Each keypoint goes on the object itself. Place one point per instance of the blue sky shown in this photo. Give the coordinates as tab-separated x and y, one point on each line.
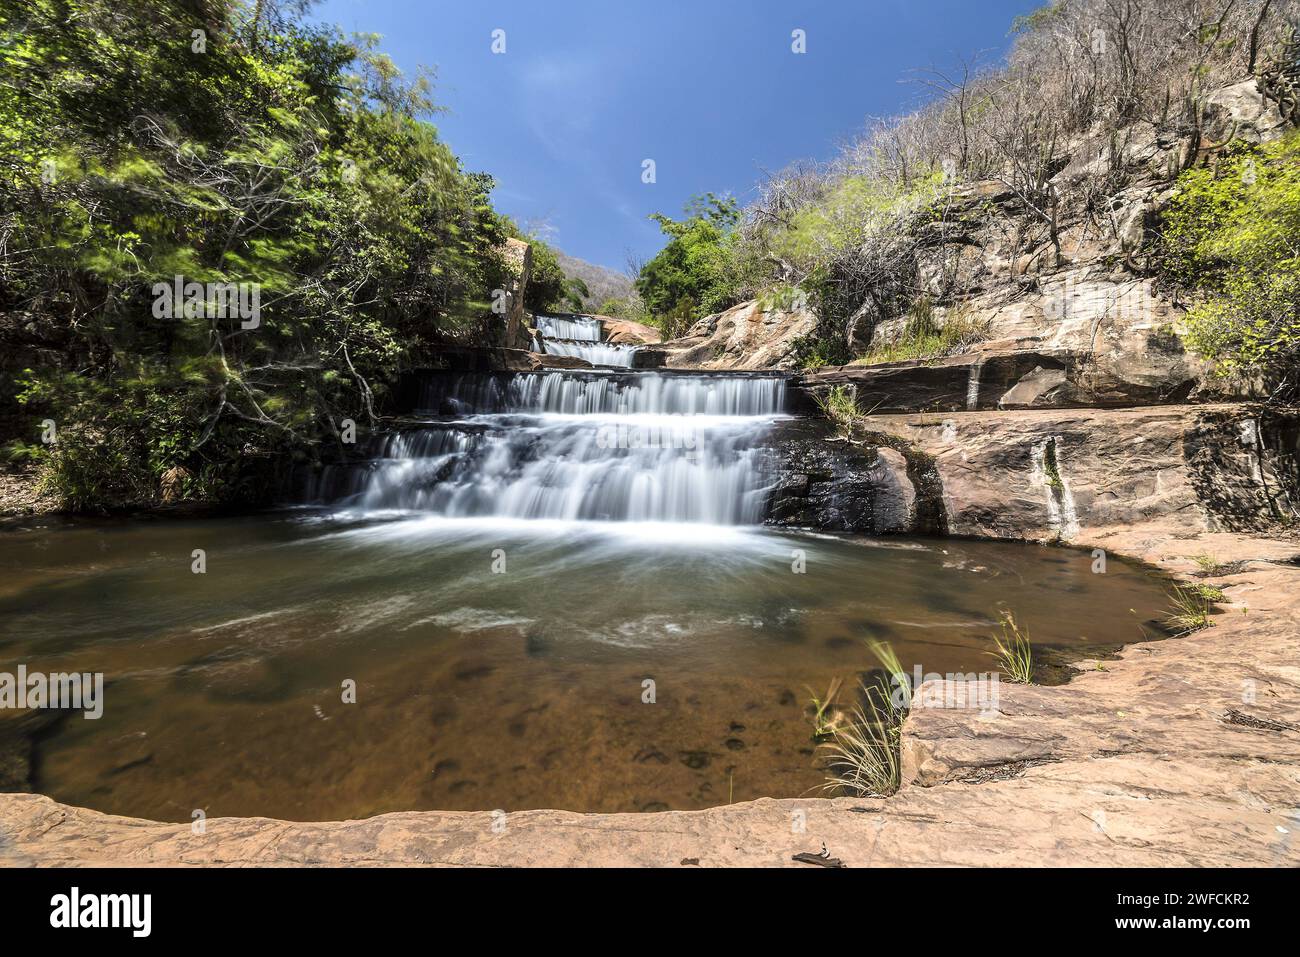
708	89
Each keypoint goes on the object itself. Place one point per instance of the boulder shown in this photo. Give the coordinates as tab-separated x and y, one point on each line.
1242	111
747	336
625	332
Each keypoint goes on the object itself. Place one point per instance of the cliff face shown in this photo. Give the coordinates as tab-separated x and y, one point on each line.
1073	311
1079	407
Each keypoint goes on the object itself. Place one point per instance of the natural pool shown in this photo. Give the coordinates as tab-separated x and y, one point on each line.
497	663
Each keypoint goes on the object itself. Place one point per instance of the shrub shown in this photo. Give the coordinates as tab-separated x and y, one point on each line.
285	157
1230	237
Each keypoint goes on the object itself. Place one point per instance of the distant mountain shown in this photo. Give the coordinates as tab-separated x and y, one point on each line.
601	283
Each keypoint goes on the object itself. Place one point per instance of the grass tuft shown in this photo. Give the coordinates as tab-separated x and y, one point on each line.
922	339
840	406
1190	608
823	724
1207	563
1014	654
863	753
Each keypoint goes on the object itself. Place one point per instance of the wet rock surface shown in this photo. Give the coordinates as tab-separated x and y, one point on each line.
826	482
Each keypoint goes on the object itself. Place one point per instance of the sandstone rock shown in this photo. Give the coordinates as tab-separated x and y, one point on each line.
624	332
1054	474
1034	388
746	336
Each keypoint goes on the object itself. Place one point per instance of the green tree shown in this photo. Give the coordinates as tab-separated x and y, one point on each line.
694	272
546	290
272	155
1231	239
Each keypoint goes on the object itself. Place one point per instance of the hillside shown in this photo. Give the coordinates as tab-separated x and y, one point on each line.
602	283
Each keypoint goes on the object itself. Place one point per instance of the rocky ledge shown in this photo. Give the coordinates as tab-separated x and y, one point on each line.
1179	752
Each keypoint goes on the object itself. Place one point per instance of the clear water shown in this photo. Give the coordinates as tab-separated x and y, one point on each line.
478	688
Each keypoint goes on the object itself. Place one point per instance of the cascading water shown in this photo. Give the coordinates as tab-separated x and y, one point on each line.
581	329
580	337
638	447
598	353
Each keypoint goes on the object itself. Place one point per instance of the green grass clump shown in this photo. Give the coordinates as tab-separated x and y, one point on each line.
840	406
922	339
1190	609
1207	563
864	756
1014	654
823	722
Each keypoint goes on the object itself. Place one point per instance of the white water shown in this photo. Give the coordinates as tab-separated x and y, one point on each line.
641	447
597	353
583	330
580	337
594	393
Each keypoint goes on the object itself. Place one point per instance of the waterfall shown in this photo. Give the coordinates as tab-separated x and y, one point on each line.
599	393
579	329
581	337
597	353
578	446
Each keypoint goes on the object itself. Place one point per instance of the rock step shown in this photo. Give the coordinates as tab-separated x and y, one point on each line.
1054	474
1012	378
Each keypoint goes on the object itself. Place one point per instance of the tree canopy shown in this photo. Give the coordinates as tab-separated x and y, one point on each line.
692	273
153	143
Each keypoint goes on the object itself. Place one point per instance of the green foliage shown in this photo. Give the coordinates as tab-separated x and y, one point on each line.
1013	651
1037	20
813	351
840	405
847	213
283	156
549	289
545	290
1209	592
575	293
851	243
1231	238
923	339
693	275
